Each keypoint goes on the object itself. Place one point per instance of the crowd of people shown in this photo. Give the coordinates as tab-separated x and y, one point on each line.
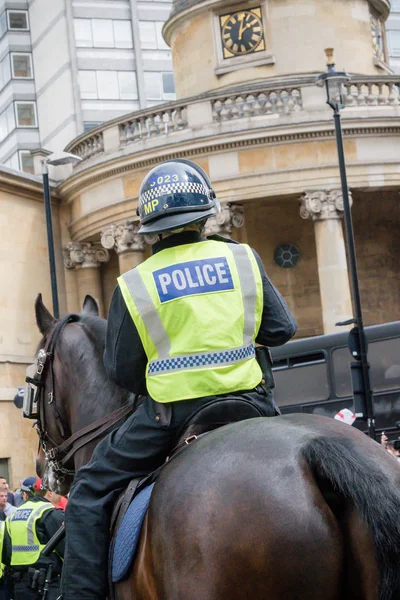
29	517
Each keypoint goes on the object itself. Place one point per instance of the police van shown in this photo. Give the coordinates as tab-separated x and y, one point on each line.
312	375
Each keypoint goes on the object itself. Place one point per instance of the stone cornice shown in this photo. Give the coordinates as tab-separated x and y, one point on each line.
270	186
118	165
22	185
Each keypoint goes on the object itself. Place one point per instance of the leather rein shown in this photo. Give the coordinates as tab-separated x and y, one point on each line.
59	455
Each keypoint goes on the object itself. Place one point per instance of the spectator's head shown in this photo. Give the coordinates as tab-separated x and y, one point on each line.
41	491
3	498
3	483
28	488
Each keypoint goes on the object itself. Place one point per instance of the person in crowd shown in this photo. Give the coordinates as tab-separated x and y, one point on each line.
5	589
182	328
56	499
5	506
10	495
27	532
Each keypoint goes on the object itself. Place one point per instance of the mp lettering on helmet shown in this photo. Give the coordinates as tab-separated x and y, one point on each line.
193	277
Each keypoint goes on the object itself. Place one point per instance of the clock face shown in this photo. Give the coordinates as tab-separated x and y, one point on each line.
377	37
242	32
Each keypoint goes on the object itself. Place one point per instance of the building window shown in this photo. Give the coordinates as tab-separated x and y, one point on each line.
395	6
88	84
160	40
151	35
26	162
123	34
159	86
18	20
378	36
25	114
21	65
394	43
83	32
88	125
103	33
168	85
5	72
152	86
3	24
7	122
127	85
108	85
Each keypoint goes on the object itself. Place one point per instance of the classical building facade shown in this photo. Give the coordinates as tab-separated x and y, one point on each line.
248	111
68	65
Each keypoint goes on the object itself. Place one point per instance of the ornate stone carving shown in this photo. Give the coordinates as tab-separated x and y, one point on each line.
231	216
84	255
123	238
320	205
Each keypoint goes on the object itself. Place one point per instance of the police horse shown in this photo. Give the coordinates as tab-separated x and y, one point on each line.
292	507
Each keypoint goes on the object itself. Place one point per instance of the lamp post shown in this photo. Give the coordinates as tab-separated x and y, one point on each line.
333	82
62	158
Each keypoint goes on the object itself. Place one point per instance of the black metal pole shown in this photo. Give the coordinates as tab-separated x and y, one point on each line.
348	221
50	242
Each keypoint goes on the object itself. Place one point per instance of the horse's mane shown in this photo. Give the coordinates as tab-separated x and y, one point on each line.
95	328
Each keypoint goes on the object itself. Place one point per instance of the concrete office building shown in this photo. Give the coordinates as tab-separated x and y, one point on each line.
68	65
393	36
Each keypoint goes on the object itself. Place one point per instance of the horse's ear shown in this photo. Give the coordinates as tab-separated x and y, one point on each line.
44	318
90	306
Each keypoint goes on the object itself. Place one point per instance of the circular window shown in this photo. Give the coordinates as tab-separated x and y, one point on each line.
286	256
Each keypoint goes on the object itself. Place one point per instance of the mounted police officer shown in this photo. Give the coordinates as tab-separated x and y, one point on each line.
182	328
28	530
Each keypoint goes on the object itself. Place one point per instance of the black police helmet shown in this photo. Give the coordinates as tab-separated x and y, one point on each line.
174	194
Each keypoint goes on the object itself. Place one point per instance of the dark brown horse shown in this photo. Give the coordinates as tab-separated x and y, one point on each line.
298	507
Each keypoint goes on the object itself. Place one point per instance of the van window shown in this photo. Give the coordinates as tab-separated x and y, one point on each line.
301	379
384	358
341	359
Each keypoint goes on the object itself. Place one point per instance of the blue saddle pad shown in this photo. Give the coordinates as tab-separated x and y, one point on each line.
128	534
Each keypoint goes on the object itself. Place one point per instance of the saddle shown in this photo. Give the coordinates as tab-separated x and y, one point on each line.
132	505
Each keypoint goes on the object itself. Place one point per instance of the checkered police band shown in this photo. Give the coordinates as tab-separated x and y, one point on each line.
169	189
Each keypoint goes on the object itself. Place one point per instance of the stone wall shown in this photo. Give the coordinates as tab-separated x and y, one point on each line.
268	225
24	272
376	226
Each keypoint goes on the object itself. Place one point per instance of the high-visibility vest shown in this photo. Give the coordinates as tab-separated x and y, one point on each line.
21	525
2	529
197	308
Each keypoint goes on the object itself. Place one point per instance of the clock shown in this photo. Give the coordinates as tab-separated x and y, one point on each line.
242	32
377	31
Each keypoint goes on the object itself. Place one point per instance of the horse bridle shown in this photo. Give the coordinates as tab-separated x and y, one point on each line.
58	455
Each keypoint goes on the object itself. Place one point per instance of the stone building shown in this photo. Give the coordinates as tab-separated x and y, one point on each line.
249	112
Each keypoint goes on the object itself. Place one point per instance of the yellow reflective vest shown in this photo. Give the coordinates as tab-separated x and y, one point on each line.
2	529
197	308
21	526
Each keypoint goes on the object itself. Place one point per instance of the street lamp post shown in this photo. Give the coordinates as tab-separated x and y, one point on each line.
63	158
333	82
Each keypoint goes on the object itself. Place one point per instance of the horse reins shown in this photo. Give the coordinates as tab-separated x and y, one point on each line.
60	454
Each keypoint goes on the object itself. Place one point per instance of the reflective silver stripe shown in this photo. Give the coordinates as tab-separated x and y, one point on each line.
148	312
249	290
31	523
204	360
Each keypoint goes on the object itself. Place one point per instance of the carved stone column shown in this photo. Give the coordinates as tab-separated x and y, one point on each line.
85	258
222	223
325	208
128	244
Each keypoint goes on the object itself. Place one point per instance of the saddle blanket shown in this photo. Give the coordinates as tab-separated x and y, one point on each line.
129	533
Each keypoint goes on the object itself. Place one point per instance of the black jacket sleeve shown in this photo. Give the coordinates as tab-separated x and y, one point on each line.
6	554
124	357
48	525
278	325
